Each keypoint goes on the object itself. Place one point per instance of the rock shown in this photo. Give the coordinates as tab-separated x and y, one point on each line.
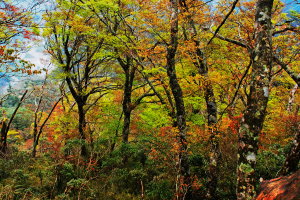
282	188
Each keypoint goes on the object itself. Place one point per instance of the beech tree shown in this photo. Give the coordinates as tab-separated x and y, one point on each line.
154	92
262	59
200	62
254	115
75	48
178	98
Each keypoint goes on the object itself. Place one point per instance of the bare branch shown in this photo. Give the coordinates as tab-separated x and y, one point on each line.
15	111
292	74
224	20
293	29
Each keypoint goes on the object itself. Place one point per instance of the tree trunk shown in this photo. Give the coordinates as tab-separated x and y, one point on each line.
129	76
211	106
184	168
211	109
292	98
82	127
35	129
126	125
253	119
3	137
34	148
214	154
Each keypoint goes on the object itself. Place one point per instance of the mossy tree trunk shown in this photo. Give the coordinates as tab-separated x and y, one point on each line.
253	118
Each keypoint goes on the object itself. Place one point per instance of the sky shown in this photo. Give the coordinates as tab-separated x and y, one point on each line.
34	55
292	5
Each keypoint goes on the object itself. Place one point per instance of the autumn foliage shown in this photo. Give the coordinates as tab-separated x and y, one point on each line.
158	99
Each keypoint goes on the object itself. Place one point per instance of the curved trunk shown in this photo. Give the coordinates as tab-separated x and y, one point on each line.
184	169
211	109
37	133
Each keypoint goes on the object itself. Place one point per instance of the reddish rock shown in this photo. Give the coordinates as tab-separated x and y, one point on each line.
282	188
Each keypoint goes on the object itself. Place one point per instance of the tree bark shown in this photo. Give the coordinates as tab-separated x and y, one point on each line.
82	127
214	155
253	118
292	98
127	107
35	141
81	101
184	167
3	137
211	109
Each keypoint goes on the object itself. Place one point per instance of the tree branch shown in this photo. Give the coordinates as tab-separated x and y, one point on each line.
293	29
138	101
237	90
224	20
45	121
233	41
293	75
15	111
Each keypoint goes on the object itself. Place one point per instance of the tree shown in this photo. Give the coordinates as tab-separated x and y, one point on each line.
124	39
200	62
38	123
77	51
16	27
179	103
262	62
254	115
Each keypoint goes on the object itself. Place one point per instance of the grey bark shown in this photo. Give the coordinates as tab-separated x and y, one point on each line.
253	118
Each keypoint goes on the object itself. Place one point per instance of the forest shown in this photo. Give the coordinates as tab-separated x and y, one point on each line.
149	99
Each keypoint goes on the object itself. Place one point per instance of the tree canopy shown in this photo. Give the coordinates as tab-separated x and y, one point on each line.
158	99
